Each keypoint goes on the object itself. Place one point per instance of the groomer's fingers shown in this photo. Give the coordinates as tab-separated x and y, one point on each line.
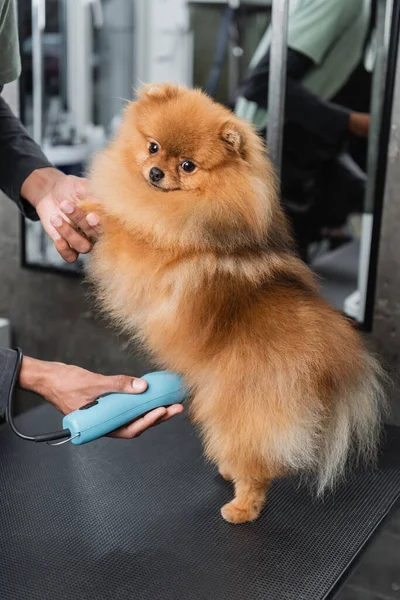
173	410
89	224
129	385
123	384
81	186
137	427
64	249
75	240
155	417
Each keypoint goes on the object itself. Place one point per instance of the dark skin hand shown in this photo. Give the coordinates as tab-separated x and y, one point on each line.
359	124
68	387
55	196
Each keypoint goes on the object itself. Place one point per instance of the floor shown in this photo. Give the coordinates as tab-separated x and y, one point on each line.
53	319
377	577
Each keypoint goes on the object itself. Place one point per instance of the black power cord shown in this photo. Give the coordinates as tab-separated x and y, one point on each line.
46	437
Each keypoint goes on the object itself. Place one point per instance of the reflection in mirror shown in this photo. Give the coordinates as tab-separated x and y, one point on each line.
332	49
91	60
93	54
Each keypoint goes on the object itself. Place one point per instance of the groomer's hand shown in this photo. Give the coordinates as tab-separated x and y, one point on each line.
55	195
68	387
359	124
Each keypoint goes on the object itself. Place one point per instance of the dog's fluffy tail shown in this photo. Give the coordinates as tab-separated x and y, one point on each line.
355	425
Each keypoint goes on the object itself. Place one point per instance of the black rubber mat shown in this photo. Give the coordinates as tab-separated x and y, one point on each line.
139	520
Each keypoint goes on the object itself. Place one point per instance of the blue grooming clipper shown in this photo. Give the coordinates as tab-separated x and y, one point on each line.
109	412
101	416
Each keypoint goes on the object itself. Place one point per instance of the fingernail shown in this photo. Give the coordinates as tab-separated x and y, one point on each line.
67	208
139	385
93	220
56	221
56	236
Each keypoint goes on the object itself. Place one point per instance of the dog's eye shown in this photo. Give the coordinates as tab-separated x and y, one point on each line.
153	148
188	166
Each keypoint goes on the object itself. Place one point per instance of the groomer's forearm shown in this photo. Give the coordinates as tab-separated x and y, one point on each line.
34	374
255	86
323	119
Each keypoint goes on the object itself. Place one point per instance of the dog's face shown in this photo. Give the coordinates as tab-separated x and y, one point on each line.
166	170
185	168
183	140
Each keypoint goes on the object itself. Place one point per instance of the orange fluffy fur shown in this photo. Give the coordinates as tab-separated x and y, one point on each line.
201	269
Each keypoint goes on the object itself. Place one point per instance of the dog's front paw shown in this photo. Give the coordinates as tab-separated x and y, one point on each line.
234	513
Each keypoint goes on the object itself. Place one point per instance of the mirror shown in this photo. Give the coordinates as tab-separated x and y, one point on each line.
78	72
341	257
93	53
335	73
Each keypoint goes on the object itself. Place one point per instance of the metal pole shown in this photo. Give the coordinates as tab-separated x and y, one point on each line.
277	81
38	25
384	20
79	73
384	24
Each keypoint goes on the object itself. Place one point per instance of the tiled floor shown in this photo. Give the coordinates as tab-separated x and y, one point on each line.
377	576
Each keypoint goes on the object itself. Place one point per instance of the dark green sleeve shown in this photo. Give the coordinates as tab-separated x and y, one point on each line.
10	60
19	154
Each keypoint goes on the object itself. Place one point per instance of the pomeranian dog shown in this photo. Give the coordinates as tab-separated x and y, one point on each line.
196	260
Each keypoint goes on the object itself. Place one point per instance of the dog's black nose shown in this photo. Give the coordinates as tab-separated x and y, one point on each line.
156	174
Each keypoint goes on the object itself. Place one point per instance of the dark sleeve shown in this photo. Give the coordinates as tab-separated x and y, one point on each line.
324	119
19	157
256	83
8	362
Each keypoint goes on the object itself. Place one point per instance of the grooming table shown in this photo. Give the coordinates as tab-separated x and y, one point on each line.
124	520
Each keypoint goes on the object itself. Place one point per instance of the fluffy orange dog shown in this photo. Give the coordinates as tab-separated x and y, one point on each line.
196	261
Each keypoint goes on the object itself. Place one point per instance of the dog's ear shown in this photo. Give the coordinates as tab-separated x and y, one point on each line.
233	137
159	91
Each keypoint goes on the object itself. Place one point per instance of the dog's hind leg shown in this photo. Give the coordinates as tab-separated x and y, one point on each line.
248	501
